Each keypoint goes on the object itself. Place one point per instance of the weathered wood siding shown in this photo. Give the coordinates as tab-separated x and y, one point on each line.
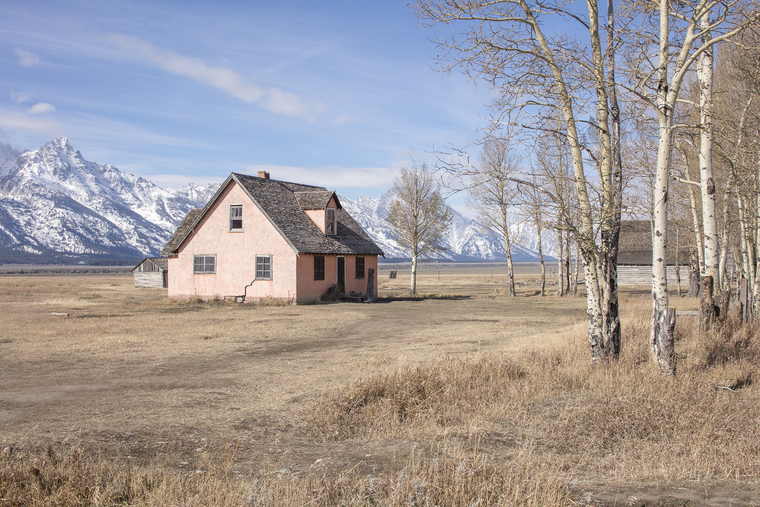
642	275
153	279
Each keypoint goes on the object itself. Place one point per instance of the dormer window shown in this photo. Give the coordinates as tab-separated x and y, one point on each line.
236	217
330	221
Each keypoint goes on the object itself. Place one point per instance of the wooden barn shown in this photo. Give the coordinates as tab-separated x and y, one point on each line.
635	254
152	272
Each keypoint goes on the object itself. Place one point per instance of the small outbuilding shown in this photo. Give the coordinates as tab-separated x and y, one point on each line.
152	272
635	254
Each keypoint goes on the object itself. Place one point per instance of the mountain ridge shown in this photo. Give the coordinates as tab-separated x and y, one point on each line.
56	207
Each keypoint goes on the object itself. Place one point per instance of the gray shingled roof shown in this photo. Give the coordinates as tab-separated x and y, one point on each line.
278	201
182	231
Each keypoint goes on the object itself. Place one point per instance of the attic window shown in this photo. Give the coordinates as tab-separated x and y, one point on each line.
330	221
236	217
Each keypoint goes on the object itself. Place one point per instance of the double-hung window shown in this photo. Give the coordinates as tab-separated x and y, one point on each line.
236	217
330	221
319	267
204	264
360	268
263	267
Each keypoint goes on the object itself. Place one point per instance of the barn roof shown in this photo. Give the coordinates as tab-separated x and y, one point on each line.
635	247
281	205
161	262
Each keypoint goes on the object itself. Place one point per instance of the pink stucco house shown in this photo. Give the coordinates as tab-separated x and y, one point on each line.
259	238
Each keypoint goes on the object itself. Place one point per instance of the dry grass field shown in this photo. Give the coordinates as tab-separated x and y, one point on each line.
111	395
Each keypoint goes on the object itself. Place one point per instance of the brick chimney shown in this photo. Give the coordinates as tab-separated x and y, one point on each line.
264	174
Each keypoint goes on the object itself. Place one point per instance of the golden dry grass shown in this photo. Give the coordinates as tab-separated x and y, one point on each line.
467	397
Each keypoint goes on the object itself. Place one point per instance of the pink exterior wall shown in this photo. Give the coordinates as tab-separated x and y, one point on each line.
318	217
235	255
292	275
309	290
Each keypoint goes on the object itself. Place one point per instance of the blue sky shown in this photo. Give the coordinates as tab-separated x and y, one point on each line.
336	93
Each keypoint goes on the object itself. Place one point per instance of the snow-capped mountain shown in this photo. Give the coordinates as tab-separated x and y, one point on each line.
7	160
467	239
55	206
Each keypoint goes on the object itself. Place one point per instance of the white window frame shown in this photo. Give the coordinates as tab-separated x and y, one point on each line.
263	271
236	207
205	264
334	222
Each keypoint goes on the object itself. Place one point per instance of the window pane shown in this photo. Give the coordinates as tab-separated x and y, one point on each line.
360	268
204	264
319	268
236	217
264	267
330	222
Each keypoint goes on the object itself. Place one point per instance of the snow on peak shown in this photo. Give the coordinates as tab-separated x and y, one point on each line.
7	160
57	206
467	239
64	205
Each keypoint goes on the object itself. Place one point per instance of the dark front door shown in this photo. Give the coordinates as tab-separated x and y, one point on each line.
341	274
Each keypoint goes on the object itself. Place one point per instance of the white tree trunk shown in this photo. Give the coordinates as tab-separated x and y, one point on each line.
413	283
724	237
508	249
697	225
568	266
560	265
756	291
659	234
541	258
709	216
745	245
663	322
576	269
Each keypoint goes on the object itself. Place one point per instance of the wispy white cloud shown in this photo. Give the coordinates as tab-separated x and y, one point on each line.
27	58
223	78
41	107
18	120
102	131
21	97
